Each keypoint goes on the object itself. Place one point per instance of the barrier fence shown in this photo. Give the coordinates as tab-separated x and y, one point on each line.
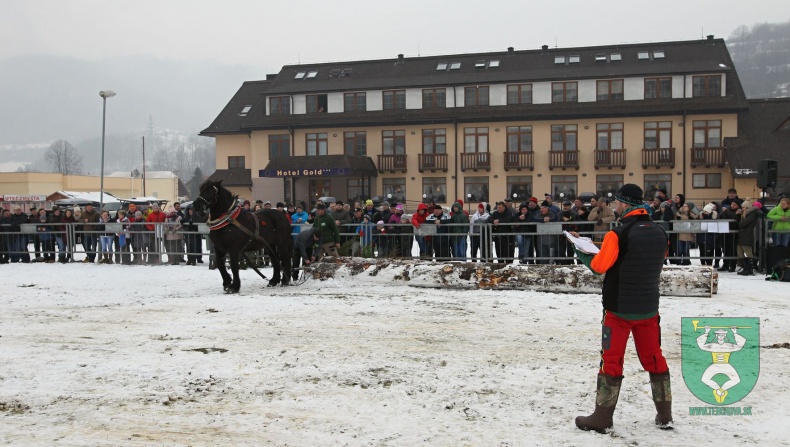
704	241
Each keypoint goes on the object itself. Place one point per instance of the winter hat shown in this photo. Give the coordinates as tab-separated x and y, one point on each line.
481	207
630	194
757	205
155	206
533	199
385	204
399	207
138	215
320	206
707	208
746	204
246	203
279	205
368	202
381	222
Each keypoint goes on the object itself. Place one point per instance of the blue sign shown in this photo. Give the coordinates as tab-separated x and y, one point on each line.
319	172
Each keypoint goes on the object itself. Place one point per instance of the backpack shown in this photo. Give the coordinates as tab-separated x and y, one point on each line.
780	271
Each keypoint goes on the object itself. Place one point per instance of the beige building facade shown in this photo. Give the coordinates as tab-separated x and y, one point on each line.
483	127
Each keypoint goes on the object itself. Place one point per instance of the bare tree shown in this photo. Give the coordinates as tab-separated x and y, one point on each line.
64	158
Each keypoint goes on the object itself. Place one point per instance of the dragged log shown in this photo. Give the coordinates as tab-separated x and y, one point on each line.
698	281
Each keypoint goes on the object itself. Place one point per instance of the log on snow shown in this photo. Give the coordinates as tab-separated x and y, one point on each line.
695	281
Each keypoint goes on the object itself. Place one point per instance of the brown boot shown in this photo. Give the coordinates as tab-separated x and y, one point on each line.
662	396
605	403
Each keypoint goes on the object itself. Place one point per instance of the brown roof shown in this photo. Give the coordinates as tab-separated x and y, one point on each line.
763	133
232	177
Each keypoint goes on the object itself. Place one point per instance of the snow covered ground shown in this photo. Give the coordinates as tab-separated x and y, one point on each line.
109	355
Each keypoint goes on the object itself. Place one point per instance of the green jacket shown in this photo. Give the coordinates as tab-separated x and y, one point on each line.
327	225
775	215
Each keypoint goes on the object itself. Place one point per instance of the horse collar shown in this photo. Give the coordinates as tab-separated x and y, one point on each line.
225	219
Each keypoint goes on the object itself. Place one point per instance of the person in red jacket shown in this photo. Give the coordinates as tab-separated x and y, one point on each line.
153	224
424	242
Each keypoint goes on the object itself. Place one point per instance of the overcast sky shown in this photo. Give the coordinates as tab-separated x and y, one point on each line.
272	33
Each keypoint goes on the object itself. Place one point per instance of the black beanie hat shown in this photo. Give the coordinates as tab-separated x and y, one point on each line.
630	194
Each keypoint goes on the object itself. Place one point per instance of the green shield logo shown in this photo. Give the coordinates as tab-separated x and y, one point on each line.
720	357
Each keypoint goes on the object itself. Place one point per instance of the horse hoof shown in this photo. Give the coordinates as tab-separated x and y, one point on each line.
231	290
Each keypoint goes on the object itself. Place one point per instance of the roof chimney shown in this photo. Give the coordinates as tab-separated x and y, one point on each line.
510	50
400	58
710	38
544	48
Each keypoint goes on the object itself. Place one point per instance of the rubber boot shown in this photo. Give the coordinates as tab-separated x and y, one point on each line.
747	268
108	259
662	396
605	402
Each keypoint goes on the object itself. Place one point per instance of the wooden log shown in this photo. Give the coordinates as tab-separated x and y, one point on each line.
697	281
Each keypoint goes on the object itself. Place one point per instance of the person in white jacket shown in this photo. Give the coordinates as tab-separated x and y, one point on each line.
479	240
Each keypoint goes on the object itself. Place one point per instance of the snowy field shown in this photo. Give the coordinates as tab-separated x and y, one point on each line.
109	355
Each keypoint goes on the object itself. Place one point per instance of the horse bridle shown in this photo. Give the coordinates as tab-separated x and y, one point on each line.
209	204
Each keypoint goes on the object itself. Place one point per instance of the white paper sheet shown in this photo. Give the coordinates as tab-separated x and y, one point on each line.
583	244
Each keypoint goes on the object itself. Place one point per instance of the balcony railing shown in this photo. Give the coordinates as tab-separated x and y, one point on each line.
564	159
476	161
519	160
432	162
611	158
658	158
707	156
392	163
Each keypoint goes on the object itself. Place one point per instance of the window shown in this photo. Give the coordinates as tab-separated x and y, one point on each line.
519	139
476	96
475	139
574	59
610	90
493	64
706	181
480	64
354	102
477	187
565	185
236	162
245	110
706	86
318	187
658	54
615	57
355	143
316	103
559	59
434	141
455	66
311	75
521	186
654	182
316	144
642	55
354	186
279	146
707	133
345	72
300	75
519	94
393	142
563	137
658	88
441	66
433	98
279	105
435	188
658	135
564	92
396	187
610	136
605	184
394	99
600	58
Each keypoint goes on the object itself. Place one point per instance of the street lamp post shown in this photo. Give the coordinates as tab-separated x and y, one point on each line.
469	202
104	95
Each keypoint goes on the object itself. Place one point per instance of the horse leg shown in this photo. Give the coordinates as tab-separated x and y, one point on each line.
219	263
276	275
285	263
234	268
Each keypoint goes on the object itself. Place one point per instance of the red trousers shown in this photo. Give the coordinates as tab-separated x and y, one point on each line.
647	338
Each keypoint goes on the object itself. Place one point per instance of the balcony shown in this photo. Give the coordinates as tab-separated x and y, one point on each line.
432	162
392	163
658	158
564	159
476	161
707	157
612	158
519	161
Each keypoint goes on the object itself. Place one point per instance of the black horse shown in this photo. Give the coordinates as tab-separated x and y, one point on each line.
235	231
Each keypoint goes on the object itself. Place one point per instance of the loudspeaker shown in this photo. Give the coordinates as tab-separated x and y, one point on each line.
766	173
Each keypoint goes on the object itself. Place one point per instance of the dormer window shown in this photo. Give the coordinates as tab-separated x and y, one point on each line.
642	55
441	66
658	54
345	72
300	75
615	57
455	66
559	59
574	59
311	75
